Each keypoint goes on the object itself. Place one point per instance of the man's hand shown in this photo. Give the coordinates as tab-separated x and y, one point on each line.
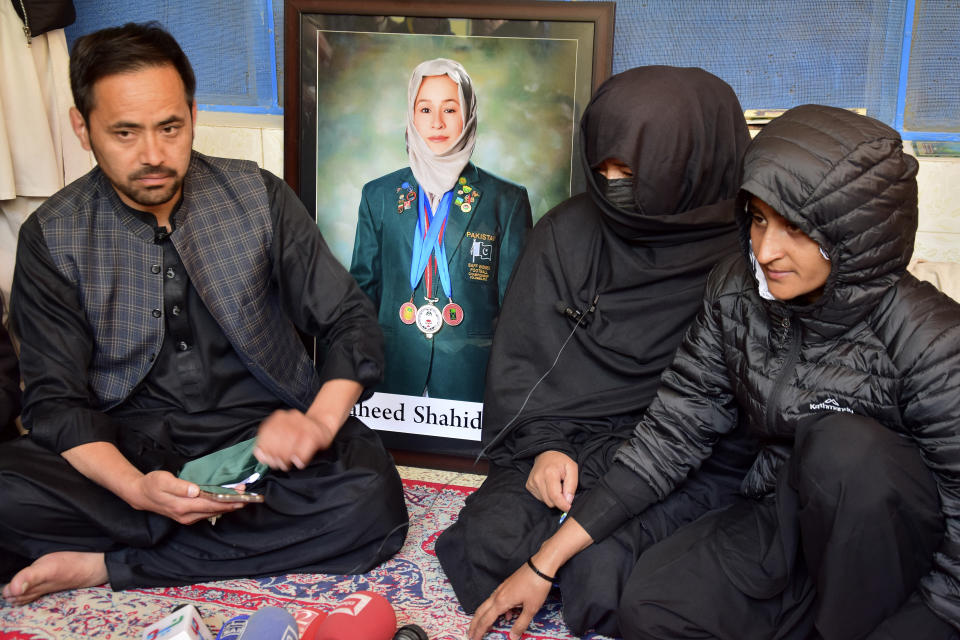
523	590
289	438
164	493
553	479
158	491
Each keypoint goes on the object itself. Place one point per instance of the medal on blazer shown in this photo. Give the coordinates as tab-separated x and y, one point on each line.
452	313
428	318
408	312
429	253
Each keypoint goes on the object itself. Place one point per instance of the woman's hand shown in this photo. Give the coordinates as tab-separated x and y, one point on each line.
523	590
553	479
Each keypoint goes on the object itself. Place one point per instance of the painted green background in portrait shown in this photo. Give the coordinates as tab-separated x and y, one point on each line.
525	90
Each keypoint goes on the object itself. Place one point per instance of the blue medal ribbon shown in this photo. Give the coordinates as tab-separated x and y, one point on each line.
427	240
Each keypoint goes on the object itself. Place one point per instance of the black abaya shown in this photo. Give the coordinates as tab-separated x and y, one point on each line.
637	277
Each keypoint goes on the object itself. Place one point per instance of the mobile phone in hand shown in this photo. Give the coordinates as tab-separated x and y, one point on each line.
228	495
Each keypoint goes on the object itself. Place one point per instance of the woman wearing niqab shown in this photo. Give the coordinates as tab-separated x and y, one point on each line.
438	295
619	270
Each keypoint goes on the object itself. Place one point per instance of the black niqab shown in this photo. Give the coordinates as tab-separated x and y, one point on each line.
682	133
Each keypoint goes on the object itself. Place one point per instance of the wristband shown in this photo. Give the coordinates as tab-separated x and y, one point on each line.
533	568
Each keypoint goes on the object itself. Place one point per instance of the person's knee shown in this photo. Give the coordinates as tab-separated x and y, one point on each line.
10	497
15	492
631	615
496	529
847	455
641	619
648	603
385	491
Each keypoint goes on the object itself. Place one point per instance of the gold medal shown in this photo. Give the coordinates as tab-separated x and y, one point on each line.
408	313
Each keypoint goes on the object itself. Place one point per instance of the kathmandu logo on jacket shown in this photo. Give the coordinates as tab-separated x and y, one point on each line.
830	404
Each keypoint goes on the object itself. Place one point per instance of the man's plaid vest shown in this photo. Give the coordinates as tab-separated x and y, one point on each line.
223	236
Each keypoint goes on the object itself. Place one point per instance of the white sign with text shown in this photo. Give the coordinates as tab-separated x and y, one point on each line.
421	416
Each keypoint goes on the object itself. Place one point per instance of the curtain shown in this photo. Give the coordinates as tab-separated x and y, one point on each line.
39	154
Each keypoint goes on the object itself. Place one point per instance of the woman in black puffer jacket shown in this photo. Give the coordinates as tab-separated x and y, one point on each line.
848	369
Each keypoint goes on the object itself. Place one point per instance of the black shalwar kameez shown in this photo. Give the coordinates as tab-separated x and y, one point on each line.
343	513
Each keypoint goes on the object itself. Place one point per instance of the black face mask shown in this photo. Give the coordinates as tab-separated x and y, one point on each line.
618	192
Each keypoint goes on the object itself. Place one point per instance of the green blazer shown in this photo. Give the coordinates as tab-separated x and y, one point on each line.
483	241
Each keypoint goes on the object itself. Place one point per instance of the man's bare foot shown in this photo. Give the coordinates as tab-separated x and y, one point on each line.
56	572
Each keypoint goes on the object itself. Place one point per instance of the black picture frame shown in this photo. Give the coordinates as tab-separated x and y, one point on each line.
307	22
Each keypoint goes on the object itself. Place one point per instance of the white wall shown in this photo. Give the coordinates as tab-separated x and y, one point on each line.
260	138
238	135
938	185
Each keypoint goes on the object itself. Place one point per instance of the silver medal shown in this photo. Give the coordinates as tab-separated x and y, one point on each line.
429	319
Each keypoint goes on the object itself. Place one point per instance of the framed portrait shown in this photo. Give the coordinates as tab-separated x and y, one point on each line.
532	67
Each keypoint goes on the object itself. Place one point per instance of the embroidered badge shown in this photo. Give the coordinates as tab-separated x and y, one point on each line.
482	249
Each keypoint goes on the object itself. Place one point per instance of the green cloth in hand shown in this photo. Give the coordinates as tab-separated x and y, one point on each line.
232	465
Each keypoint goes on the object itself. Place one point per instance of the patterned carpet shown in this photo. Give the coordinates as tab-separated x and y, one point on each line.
412	581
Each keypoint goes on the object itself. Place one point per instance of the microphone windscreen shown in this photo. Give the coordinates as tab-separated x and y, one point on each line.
271	623
364	614
410	632
232	629
308	619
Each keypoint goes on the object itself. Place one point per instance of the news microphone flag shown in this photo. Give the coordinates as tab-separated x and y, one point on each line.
183	624
309	618
233	628
364	614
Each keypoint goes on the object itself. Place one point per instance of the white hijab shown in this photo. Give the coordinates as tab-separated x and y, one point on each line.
438	172
764	288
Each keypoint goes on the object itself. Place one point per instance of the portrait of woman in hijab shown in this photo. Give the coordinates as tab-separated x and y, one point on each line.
436	242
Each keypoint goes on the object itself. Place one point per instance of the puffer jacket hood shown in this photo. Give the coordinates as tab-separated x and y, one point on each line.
844	180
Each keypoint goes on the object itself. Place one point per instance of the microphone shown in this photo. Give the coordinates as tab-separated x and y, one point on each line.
364	614
308	619
578	316
233	628
410	632
183	624
271	623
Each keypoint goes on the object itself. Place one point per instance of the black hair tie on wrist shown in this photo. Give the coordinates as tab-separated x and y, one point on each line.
533	568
